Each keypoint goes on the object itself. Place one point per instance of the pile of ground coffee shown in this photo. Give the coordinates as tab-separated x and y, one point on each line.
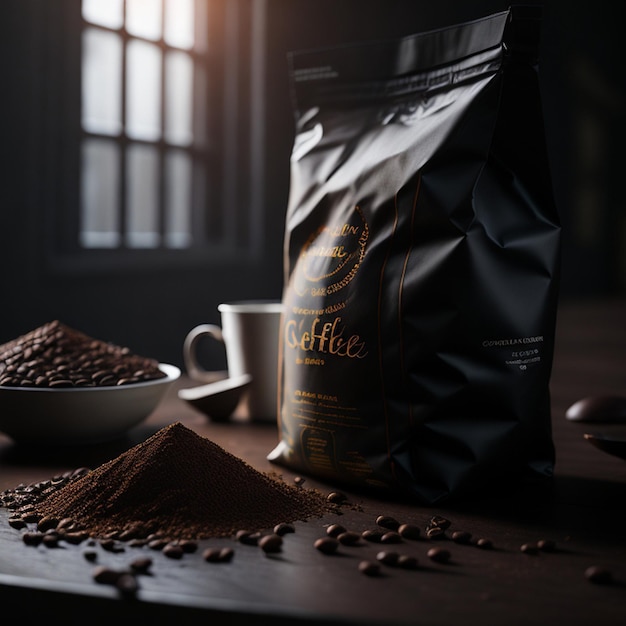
180	485
55	355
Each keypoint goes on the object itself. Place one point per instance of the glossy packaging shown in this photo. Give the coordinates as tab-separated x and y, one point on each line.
421	264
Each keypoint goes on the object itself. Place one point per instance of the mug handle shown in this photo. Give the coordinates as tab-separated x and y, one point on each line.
193	367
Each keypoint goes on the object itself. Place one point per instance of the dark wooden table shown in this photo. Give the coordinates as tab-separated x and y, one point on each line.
583	513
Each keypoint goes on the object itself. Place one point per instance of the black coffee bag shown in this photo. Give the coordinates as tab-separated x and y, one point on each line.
421	264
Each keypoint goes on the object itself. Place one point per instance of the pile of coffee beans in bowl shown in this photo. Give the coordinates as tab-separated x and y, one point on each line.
56	356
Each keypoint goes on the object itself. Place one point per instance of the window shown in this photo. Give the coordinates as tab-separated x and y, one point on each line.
144	152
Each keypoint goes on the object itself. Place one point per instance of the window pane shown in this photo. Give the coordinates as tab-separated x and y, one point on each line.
109	13
178	98
101	81
178	200
143	91
200	108
142	208
143	18
179	23
99	227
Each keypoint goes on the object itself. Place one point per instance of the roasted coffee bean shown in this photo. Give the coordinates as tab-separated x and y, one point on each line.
218	555
298	480
387	522
374	536
461	536
326	545
409	531
173	551
407	562
369	568
336	497
439	555
529	548
334	530
388	558
188	545
440	522
110	545
32	538
599	574
283	529
271	544
348	538
141	564
211	555
50	540
75	538
46	523
391	537
106	575
435	532
546	545
485	544
158	544
17	523
127	584
248	537
226	554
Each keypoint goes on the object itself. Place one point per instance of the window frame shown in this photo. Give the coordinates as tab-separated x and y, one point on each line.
235	126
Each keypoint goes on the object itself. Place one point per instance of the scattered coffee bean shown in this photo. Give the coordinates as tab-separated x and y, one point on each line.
106	575
391	537
226	554
334	530
546	545
348	538
173	551
248	537
388	522
271	544
50	540
409	531
529	548
388	558
127	584
440	522
283	529
435	532
298	480
32	538
439	555
374	536
75	538
485	544
17	523
141	564
336	497
599	574
110	545
461	536
90	555
188	545
326	545
369	568
407	562
158	544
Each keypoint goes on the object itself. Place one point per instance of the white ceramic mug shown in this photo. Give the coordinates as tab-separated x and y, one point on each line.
250	333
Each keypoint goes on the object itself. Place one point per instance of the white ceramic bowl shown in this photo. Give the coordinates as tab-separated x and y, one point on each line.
79	415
